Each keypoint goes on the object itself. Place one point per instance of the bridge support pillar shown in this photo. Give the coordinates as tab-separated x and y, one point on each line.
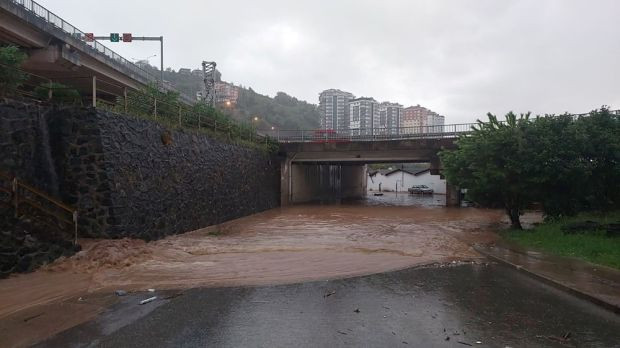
435	165
353	181
285	181
94	91
453	196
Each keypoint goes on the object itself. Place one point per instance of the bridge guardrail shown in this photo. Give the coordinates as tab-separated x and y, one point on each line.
378	133
368	134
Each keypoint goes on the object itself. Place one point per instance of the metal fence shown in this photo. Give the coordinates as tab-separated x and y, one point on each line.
368	134
136	103
93	47
378	134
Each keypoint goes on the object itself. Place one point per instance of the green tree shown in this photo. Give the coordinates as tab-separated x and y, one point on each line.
560	175
493	163
598	138
11	59
568	165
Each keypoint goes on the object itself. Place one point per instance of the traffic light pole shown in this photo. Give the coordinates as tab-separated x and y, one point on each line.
143	38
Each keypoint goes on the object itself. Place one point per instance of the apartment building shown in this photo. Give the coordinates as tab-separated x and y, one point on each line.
333	109
364	112
418	119
388	121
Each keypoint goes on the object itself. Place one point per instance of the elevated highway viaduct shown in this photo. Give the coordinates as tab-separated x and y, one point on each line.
58	51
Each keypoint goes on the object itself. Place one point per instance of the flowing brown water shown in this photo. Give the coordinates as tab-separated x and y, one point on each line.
292	244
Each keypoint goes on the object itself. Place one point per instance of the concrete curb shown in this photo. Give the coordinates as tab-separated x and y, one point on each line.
552	282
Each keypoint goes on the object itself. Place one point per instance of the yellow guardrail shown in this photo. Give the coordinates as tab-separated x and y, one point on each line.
18	194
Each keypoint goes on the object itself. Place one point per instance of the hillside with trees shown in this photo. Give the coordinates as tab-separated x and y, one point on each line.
282	111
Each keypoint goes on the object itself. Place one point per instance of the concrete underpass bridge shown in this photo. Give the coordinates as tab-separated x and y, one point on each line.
322	165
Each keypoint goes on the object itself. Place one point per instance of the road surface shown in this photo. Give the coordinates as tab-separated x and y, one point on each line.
454	305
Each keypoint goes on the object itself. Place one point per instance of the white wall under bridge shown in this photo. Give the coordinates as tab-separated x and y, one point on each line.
400	180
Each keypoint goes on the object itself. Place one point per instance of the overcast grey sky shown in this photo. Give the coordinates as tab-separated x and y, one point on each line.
459	58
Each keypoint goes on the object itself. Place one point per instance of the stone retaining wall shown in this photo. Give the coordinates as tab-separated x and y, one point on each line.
131	177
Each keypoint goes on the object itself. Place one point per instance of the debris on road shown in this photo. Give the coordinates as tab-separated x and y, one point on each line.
329	293
357	310
120	292
32	317
151	290
564	339
150	299
176	294
464	343
341	332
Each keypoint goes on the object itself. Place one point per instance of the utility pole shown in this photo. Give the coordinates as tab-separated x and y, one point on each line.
161	59
208	74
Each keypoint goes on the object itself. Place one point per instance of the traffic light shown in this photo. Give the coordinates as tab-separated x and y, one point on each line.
89	37
114	37
127	37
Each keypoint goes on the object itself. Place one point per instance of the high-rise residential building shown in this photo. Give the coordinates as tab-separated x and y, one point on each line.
333	109
363	113
388	121
418	119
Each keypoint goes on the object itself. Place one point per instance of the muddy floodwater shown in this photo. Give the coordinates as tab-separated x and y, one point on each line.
286	245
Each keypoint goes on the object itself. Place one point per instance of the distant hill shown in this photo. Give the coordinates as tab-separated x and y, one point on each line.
282	111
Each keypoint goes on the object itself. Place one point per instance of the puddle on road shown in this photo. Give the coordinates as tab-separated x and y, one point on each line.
285	245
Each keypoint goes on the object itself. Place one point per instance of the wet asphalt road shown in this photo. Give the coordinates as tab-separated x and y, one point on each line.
454	306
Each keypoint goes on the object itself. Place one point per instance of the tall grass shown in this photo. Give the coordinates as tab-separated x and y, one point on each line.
593	246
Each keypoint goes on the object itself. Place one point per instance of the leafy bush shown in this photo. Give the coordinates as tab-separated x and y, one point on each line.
11	59
569	165
61	94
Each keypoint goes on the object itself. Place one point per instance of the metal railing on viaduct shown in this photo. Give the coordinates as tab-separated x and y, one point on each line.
376	134
367	134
